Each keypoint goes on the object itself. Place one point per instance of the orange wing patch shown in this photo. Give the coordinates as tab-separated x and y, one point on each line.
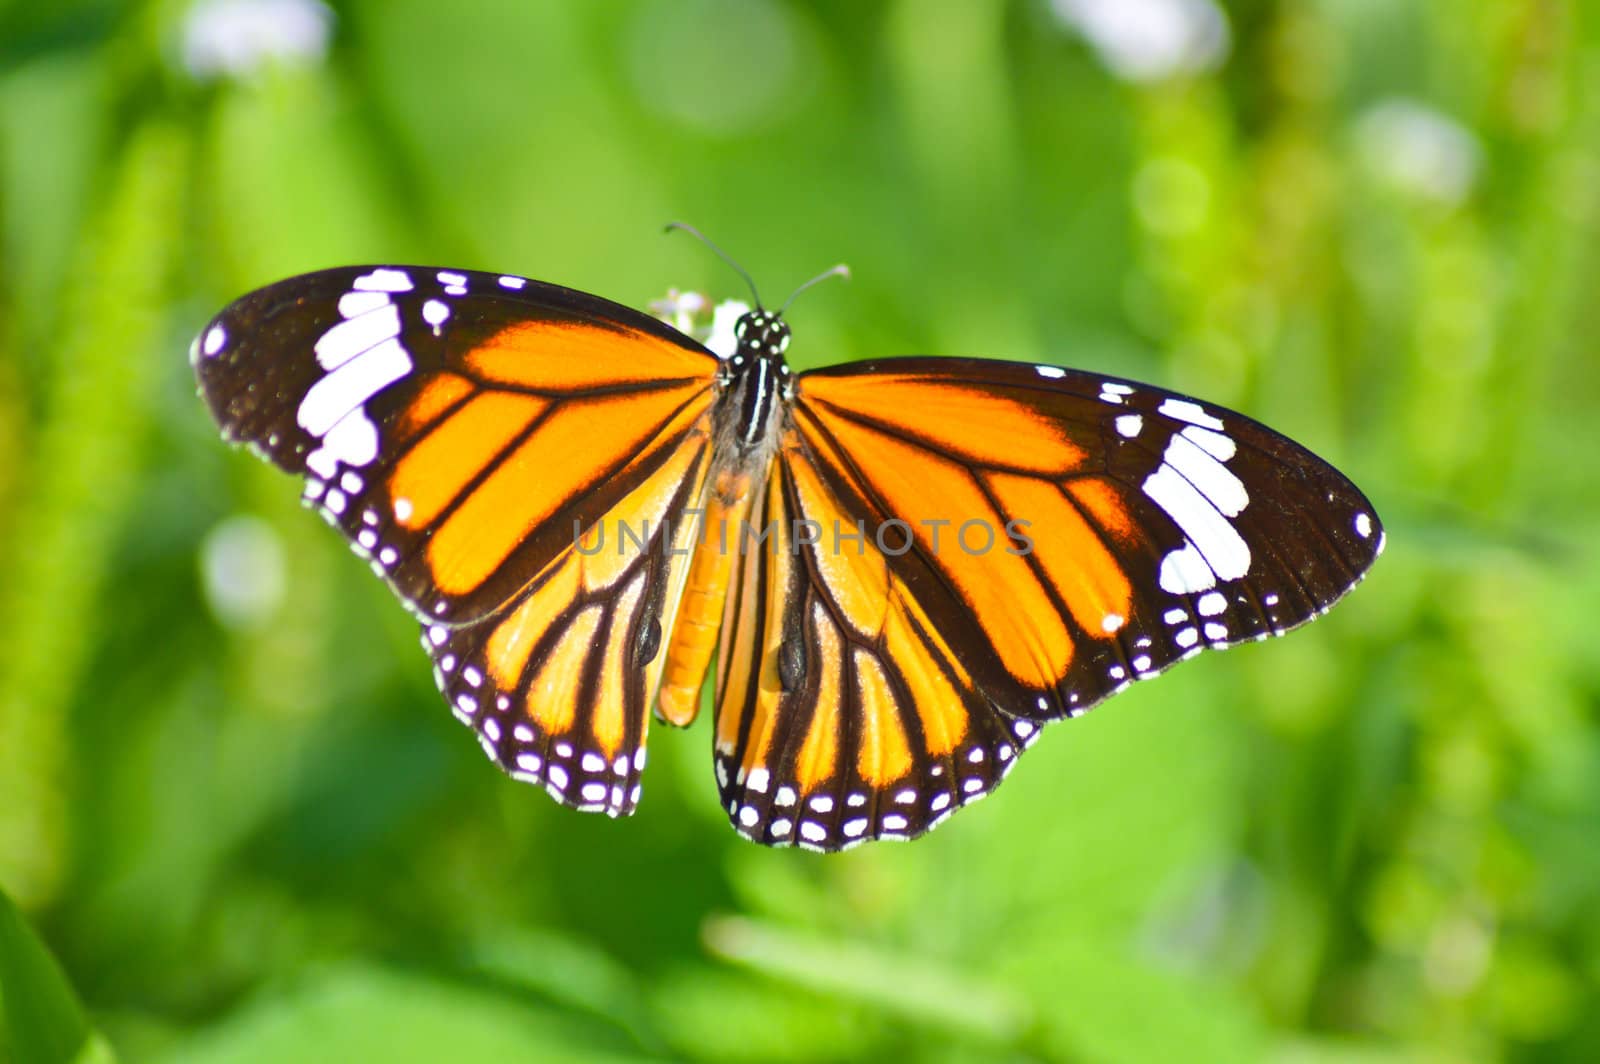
570	450
819	754
513	639
885	755
858	578
1098	496
978	427
435	472
438	394
612	545
926	662
999	587
1072	555
609	723
562	356
553	695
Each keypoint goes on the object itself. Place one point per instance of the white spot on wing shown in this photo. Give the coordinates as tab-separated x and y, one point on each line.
353	441
1185	572
356	335
1050	372
1215	481
435	312
1218	544
1192	412
1129	425
215	338
353	383
383	280
1215	444
353	304
1363	525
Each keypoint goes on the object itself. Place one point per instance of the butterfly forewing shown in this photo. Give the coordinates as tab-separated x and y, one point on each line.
482	440
456	426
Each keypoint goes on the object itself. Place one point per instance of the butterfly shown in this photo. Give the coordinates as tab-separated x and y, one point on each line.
898	570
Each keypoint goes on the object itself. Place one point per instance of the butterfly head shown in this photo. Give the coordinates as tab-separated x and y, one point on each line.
761	333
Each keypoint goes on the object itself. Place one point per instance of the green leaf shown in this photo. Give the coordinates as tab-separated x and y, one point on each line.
44	1023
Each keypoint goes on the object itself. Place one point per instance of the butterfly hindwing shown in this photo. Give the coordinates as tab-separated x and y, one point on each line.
558	684
844	713
482	440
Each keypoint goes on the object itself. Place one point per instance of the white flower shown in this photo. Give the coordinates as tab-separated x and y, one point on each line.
238	37
681	310
721	340
688	312
1147	40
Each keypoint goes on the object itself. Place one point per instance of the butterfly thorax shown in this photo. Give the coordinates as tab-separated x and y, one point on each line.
755	379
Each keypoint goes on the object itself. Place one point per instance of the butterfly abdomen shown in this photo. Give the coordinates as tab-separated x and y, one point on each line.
705	594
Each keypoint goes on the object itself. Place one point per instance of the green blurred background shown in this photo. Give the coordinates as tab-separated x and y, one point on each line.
235	812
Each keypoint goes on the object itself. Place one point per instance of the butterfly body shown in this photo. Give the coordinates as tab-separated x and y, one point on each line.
896	571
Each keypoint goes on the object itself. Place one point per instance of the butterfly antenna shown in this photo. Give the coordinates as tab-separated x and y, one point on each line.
723	255
840	270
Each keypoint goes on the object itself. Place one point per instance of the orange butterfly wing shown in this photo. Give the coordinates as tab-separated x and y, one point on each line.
1035	539
482	440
